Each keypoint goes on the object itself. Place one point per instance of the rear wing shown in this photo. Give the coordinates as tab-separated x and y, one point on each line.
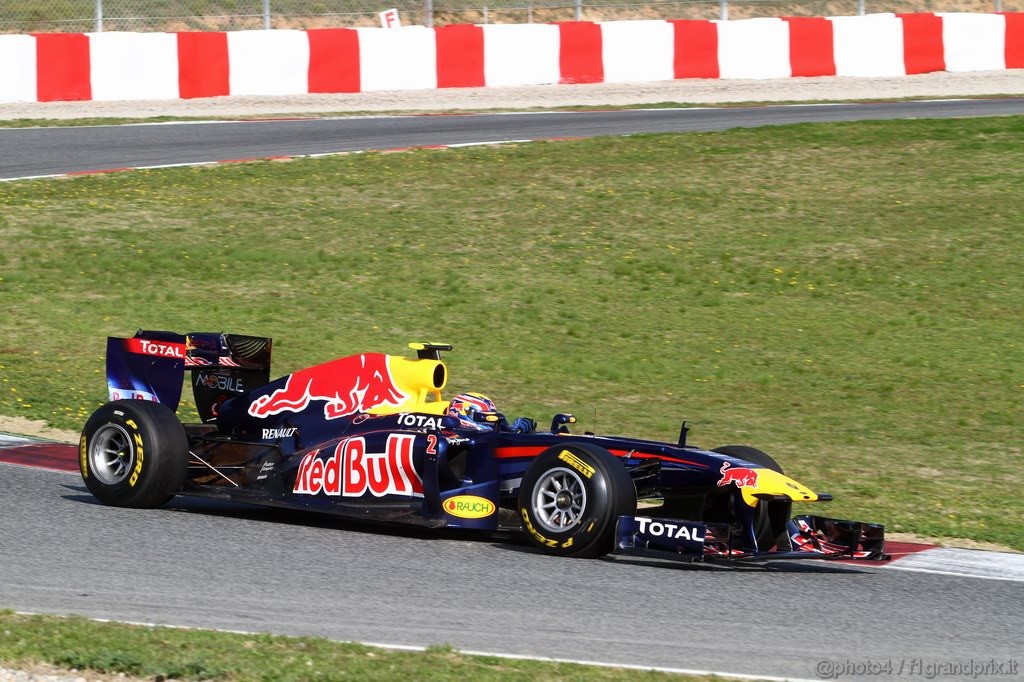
151	366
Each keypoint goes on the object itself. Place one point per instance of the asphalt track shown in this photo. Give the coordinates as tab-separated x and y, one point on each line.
31	152
205	564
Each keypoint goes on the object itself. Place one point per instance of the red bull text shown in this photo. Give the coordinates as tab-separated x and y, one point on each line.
348	385
351	471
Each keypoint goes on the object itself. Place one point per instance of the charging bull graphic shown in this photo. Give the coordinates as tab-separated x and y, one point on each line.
348	385
741	476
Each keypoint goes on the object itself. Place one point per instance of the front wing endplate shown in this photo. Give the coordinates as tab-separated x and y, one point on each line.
810	537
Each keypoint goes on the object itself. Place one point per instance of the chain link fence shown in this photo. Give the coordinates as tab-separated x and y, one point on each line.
28	16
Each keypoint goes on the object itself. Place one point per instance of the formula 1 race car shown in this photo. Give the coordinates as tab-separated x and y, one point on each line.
369	436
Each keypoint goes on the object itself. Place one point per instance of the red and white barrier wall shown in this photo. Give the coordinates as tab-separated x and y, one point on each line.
133	66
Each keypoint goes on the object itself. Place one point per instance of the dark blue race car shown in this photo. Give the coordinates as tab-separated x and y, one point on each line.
369	436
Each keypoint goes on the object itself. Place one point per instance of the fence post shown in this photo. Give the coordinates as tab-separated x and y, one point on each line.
860	8
266	15
428	13
99	16
579	9
723	9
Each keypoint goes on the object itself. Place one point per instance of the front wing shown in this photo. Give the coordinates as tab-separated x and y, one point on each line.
809	537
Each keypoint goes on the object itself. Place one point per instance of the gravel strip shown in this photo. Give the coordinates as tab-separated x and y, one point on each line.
689	91
46	673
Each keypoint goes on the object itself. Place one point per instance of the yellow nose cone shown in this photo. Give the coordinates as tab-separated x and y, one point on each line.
773	483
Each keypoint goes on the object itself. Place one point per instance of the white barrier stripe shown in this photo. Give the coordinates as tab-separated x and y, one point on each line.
145	66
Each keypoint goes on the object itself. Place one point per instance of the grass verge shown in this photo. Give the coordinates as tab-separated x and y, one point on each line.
846	297
170	653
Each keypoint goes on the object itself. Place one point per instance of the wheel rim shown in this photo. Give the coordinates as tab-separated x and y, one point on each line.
559	499
111	454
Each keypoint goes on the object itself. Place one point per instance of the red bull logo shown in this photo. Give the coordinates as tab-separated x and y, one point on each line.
348	385
351	471
741	476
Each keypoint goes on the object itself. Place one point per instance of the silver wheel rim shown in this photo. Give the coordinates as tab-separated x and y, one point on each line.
111	454
559	499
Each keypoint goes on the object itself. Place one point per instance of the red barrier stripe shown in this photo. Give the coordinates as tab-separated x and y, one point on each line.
62	67
579	56
811	46
1014	40
923	51
334	60
696	51
203	65
55	456
460	56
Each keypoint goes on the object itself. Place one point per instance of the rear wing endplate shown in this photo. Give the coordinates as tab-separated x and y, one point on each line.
151	366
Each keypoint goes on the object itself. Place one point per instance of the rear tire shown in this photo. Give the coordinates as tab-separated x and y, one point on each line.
133	453
571	497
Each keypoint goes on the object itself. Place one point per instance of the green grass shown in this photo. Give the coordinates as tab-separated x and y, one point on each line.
846	297
158	653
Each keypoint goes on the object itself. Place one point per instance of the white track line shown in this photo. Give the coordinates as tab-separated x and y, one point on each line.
466	652
964	563
675	671
317	155
7	440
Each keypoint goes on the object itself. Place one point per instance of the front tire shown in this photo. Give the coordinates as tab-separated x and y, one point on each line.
571	497
133	453
750	454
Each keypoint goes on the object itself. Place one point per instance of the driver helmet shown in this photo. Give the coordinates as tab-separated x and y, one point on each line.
466	406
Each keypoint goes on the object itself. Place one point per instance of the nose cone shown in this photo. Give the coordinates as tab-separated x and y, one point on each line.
773	483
